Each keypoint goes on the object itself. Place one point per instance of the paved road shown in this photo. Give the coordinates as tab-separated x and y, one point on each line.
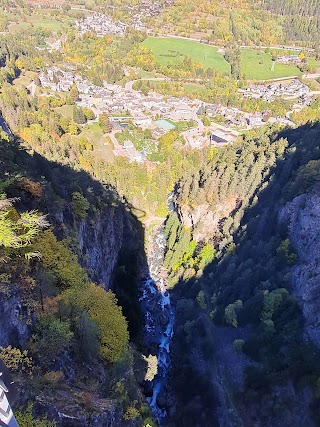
194	131
311	76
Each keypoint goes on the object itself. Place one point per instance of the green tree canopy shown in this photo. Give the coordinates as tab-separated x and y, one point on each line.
102	308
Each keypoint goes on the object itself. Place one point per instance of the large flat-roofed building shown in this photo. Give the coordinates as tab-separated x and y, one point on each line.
222	137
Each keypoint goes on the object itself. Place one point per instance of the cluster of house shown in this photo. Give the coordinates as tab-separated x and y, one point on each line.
295	89
146	9
155	111
289	59
59	80
234	117
220	137
54	43
132	153
101	25
117	100
142	109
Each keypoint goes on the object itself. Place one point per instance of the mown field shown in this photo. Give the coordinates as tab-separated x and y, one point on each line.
172	50
66	110
255	64
38	20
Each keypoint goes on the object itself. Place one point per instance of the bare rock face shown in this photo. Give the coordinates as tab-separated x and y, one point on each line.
108	415
199	219
302	215
15	320
101	240
204	219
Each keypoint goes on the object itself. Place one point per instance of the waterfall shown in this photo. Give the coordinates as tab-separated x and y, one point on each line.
159	320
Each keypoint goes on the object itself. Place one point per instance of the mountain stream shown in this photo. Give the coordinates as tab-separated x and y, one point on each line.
159	320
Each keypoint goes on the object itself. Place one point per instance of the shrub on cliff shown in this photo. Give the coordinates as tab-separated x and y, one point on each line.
79	204
25	418
18	230
50	338
59	260
102	308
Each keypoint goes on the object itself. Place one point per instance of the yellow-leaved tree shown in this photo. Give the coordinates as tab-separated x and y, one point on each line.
102	308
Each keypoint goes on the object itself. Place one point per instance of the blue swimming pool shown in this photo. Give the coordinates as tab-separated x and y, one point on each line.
163	124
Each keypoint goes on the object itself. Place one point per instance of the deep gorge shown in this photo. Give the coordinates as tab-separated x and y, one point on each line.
237	330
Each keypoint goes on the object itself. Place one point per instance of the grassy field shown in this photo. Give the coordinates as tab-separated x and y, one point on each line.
190	88
49	23
92	132
257	66
172	49
66	111
102	146
24	79
194	88
314	63
182	126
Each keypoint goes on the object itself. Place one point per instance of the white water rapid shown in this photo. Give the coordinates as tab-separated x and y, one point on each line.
159	320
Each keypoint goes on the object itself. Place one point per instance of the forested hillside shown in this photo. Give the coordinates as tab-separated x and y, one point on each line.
239	321
268	23
301	19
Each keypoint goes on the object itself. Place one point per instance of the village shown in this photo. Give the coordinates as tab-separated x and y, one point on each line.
101	25
159	114
295	89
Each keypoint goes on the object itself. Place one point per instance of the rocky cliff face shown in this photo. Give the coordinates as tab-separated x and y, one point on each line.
204	219
108	415
302	215
103	238
15	319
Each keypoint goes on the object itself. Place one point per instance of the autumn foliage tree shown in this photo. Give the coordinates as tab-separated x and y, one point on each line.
104	123
102	308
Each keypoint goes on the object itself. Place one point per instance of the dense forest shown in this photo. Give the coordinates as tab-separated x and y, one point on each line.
269	22
301	20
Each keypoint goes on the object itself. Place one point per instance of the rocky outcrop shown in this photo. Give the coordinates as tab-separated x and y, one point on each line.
15	319
108	415
204	218
302	216
282	406
103	237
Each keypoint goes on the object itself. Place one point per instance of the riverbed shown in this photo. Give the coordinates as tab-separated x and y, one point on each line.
159	320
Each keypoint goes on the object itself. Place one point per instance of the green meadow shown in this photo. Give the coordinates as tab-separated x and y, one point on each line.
168	50
257	65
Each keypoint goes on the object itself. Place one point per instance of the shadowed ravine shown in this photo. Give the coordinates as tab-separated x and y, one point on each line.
159	320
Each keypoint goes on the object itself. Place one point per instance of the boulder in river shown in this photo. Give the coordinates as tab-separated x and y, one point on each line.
161	401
